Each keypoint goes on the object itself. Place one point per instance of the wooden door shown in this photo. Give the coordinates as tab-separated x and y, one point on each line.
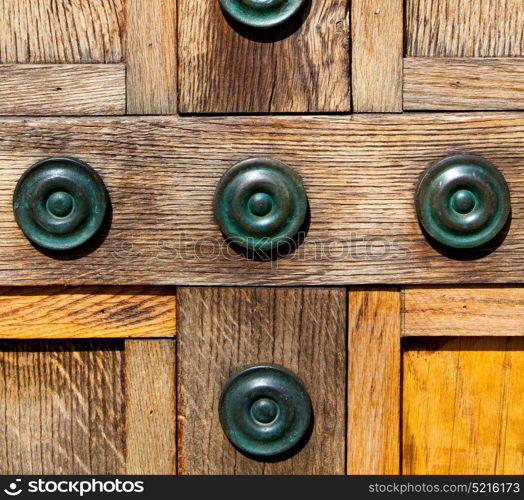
113	356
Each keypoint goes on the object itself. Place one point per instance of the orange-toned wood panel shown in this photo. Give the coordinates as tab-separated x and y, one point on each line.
373	429
463	406
75	312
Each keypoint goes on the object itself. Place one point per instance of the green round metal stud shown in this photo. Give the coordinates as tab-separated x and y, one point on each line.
463	201
261	13
265	410
260	204
60	203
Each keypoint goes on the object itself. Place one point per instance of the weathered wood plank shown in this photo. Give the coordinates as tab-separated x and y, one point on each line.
465	28
62	31
463	84
302	66
377	49
150	378
360	174
473	311
373	430
61	408
63	89
151	56
87	312
463	406
221	331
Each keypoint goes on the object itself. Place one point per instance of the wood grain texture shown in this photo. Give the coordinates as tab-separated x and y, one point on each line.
377	49
150	377
360	174
221	331
302	66
470	311
465	28
373	431
61	408
151	57
87	312
444	84
463	406
63	89
62	31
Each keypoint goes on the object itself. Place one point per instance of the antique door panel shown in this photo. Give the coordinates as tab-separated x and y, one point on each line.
91	405
462	401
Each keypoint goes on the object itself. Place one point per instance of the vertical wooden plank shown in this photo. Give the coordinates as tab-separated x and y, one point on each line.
150	382
464	28
377	51
221	331
463	406
61	408
373	433
61	31
151	57
301	66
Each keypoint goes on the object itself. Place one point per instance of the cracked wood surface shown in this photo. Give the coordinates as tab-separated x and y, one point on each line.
62	408
464	28
302	66
62	31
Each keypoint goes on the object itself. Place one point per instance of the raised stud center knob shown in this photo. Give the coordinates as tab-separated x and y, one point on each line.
463	201
260	204
264	411
262	4
60	204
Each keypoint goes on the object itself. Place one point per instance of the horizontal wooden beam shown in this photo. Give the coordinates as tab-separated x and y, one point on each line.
62	89
448	84
360	174
470	311
87	312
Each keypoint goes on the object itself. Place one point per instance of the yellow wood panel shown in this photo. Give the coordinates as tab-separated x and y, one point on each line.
463	406
61	312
